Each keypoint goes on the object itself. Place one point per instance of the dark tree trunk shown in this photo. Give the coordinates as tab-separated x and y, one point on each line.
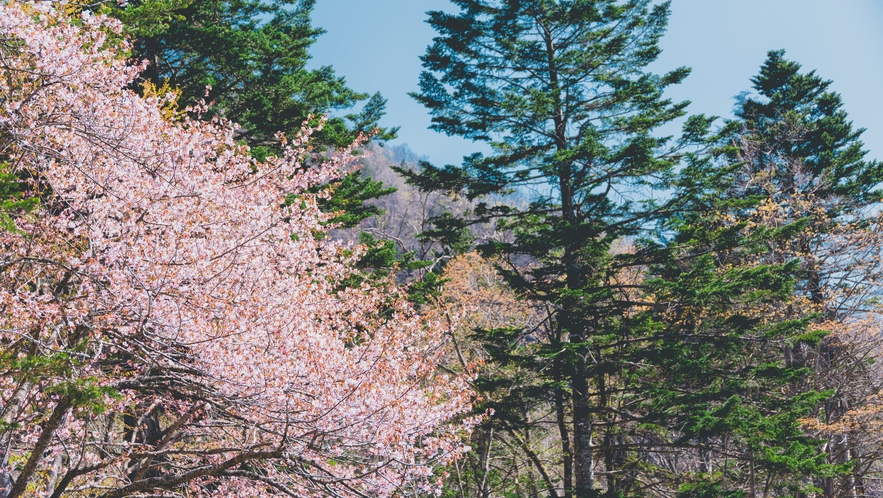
49	427
582	431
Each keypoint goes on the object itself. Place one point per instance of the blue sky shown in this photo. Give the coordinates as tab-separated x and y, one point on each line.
375	44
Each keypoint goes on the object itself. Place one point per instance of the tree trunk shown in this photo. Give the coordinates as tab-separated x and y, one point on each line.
53	474
582	431
564	434
5	482
49	427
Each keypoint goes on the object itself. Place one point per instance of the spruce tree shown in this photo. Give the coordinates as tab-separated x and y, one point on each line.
561	93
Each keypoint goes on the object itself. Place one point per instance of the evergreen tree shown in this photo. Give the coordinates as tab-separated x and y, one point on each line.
560	91
751	288
717	386
796	142
253	56
800	154
248	60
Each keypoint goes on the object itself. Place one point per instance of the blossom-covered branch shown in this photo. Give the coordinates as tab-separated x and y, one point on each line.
173	319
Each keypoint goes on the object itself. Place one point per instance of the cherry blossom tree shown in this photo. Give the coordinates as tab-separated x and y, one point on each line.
174	322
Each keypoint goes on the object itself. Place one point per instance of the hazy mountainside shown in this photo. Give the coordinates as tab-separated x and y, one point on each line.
409	213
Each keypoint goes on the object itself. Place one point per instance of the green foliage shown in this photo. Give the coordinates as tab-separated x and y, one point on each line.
381	261
85	393
731	366
707	490
253	56
150	18
58	374
14	198
560	92
797	119
348	199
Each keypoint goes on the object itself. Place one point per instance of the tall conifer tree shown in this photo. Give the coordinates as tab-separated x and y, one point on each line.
800	154
796	142
765	248
560	91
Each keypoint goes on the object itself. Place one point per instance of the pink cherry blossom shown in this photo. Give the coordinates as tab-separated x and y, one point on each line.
171	326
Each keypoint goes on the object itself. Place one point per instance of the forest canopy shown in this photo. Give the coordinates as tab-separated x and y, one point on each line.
216	281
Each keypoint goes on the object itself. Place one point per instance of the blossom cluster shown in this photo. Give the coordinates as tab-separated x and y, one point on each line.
173	319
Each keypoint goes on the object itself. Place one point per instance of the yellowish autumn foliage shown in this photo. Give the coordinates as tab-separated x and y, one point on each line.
168	98
476	297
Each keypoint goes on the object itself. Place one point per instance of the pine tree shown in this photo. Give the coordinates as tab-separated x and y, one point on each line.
560	91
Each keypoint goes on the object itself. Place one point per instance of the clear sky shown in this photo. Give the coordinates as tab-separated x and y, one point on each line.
375	44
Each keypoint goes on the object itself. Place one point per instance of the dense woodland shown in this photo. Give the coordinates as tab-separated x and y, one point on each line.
219	279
